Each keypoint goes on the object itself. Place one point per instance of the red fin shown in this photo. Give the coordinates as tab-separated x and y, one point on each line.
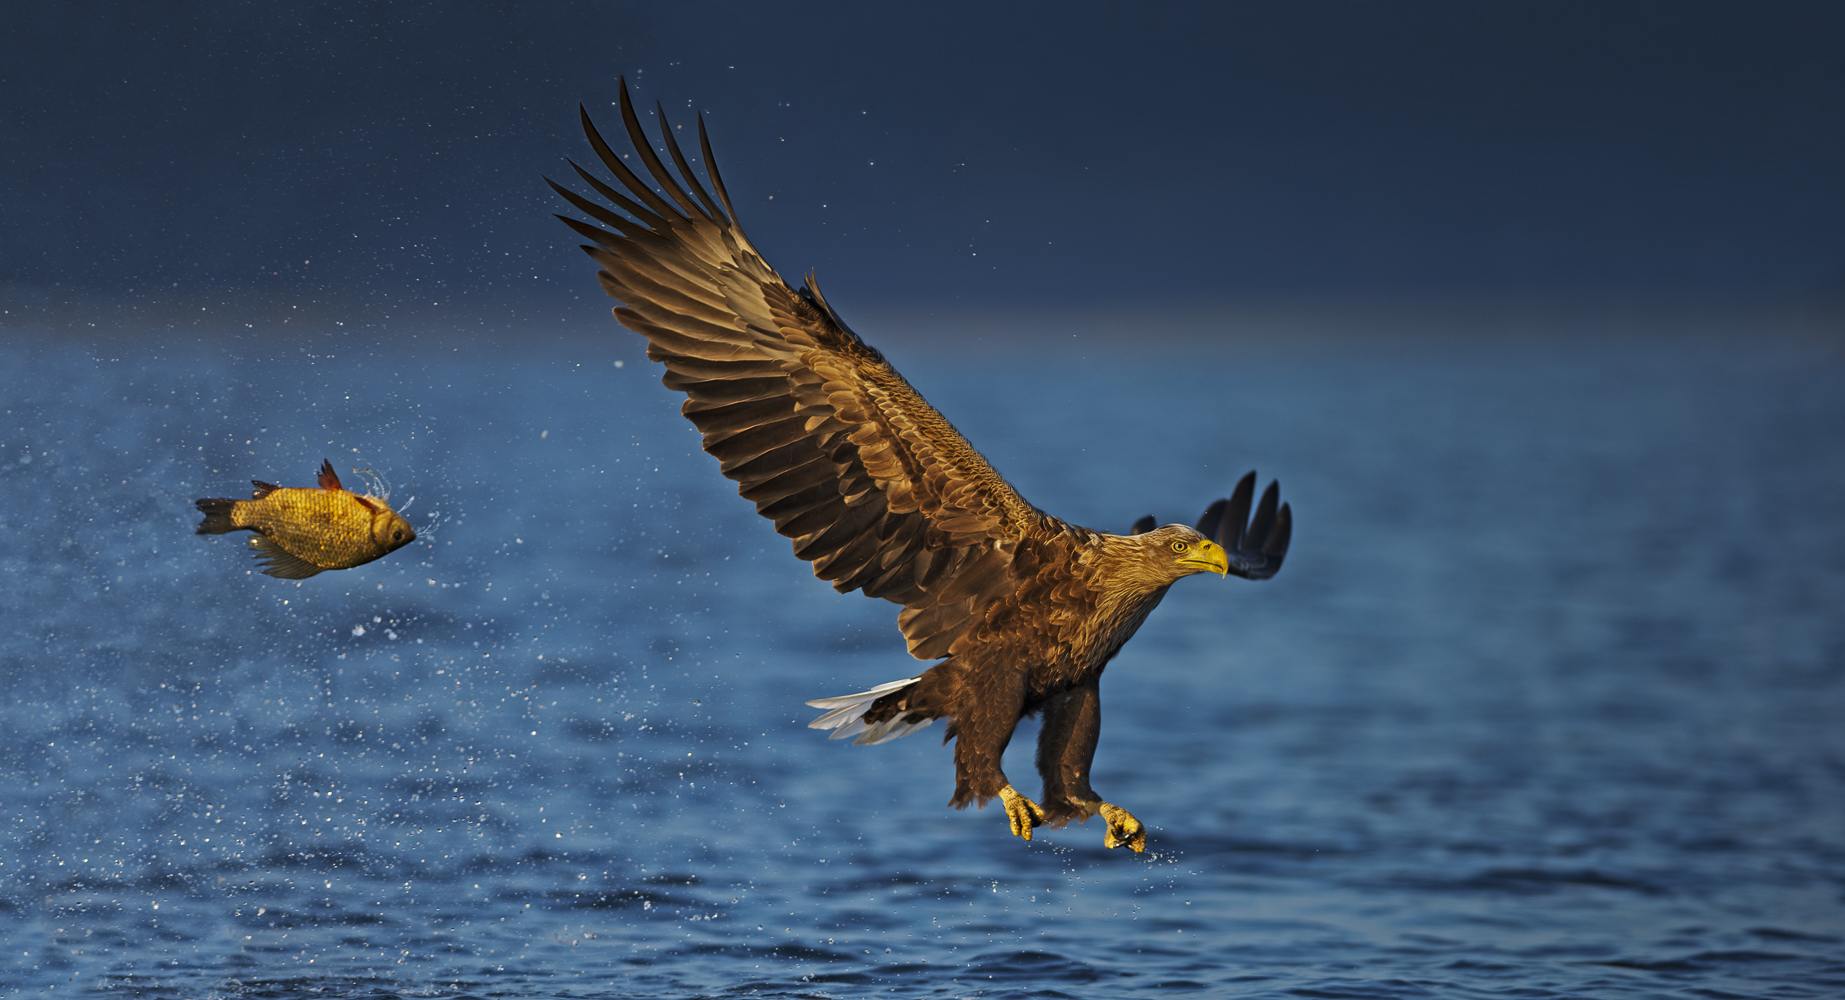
329	480
366	503
262	489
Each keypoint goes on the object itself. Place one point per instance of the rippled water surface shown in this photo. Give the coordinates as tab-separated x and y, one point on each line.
1547	702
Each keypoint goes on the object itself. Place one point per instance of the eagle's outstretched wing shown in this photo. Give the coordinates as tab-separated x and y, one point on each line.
874	486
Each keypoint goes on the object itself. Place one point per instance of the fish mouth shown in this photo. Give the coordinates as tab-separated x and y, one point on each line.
1211	557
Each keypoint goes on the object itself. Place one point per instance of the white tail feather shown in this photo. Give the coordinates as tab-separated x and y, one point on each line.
891	729
846	717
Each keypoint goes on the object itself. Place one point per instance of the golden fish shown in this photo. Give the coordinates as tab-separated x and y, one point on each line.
300	532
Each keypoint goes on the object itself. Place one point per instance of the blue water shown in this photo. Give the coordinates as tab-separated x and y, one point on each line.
1547	702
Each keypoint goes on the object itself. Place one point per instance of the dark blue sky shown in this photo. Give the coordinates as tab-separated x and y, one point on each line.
1073	153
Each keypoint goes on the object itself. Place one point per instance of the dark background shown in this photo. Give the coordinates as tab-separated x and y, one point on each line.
936	157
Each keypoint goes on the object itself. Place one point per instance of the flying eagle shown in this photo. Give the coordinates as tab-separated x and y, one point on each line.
881	493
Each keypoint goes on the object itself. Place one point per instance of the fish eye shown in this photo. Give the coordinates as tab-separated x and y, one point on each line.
1180	545
397	536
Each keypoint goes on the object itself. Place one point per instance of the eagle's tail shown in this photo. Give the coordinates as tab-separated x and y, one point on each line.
847	715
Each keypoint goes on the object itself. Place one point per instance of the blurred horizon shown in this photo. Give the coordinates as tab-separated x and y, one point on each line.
259	319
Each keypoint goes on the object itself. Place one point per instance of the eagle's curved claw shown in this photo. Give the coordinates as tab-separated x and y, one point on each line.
1022	812
1123	828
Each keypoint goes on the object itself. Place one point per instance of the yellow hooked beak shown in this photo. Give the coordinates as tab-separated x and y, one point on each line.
1208	556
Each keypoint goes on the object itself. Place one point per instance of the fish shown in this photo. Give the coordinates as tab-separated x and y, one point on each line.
299	532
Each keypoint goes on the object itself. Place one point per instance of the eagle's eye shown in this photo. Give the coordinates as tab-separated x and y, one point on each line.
1180	545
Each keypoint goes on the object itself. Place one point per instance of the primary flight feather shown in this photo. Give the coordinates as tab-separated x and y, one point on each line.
882	495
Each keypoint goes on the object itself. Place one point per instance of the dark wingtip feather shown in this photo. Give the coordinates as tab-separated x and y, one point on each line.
1212	517
711	169
1229	532
660	207
1276	549
1256	546
1259	526
685	169
637	137
650	219
626	227
1142	526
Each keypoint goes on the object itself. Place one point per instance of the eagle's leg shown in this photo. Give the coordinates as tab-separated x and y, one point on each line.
1066	749
988	712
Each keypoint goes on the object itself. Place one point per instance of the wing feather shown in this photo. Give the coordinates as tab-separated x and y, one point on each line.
847	526
794	481
711	168
669	343
652	159
872	484
720	418
753	441
770	463
855	564
812	517
685	170
727	390
608	217
657	211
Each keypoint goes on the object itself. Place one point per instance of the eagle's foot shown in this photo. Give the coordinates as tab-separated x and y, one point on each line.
1123	828
1022	812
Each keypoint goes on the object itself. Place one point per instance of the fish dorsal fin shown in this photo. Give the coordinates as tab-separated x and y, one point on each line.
366	502
262	489
279	562
329	480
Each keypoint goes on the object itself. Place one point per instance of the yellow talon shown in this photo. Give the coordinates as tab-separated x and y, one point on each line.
1021	812
1123	828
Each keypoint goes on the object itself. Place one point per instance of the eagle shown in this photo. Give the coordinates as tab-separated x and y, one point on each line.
1020	610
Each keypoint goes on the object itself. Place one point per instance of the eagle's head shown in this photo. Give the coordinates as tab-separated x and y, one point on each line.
1176	550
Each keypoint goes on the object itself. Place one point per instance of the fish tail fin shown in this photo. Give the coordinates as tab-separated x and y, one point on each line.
846	715
217	511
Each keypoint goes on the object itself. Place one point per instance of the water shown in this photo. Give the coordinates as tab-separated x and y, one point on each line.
1545	704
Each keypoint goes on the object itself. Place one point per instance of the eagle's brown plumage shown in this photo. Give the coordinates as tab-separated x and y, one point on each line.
881	493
